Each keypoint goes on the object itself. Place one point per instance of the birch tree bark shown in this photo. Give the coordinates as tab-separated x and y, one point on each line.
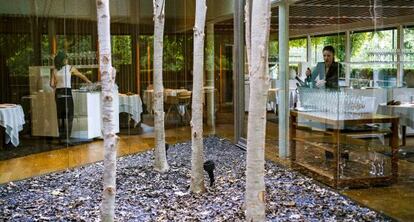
160	157
108	74
197	159
258	24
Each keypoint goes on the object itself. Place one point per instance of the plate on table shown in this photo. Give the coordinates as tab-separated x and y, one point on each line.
7	105
303	109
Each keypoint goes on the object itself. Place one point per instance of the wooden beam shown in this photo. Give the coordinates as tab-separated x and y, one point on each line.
137	65
149	62
307	5
355	26
52	36
221	74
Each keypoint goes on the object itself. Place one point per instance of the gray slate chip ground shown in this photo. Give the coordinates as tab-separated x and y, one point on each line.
145	195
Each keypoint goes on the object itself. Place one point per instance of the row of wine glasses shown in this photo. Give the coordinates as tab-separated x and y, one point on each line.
376	162
376	165
81	58
386	55
336	102
389	51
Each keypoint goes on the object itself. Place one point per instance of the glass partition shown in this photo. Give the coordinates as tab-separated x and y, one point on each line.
352	94
374	59
61	128
408	57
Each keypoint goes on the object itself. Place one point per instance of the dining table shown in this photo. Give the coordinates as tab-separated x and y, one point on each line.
132	105
404	111
148	97
12	119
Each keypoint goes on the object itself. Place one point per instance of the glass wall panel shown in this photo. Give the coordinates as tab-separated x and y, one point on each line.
62	124
297	50
345	120
319	42
374	59
408	57
224	78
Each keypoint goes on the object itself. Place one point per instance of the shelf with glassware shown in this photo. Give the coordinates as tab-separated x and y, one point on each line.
333	154
92	66
86	59
385	57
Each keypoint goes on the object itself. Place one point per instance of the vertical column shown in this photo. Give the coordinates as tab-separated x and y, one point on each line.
308	56
308	50
347	58
137	62
209	84
52	36
400	55
149	62
95	47
284	79
36	38
134	18
135	56
221	73
238	68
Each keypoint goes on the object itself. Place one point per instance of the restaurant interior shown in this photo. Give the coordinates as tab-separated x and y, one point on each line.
357	138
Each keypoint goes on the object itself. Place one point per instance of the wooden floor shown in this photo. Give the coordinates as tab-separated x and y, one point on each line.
396	200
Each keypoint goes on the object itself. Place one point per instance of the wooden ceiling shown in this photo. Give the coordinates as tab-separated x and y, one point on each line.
311	15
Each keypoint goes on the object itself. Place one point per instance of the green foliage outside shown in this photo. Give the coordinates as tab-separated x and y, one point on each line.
74	43
121	50
409	46
337	41
173	52
18	50
273	50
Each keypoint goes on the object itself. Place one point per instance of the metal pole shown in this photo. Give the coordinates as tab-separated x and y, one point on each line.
238	68
284	79
400	56
347	58
308	50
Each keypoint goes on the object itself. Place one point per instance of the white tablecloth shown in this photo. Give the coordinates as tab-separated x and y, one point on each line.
12	119
404	111
273	94
131	104
149	97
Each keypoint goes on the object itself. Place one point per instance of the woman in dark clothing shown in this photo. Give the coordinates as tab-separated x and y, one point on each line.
61	81
326	73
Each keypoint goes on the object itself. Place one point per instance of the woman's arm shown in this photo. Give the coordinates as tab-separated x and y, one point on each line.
316	71
52	81
79	74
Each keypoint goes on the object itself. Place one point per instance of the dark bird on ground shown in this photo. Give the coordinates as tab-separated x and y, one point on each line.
167	146
209	168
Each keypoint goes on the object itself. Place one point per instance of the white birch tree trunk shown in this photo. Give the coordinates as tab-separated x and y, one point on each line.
160	156
110	138
197	159
259	26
